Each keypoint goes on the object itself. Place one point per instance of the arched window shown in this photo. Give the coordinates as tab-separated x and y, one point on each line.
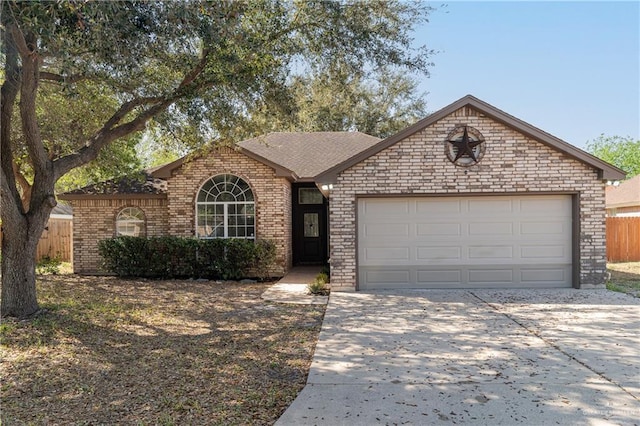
225	208
130	221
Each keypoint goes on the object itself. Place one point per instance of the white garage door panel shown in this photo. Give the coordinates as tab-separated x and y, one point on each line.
374	254
438	254
433	229
465	242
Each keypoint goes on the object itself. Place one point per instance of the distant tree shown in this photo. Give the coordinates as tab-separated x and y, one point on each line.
379	103
193	62
622	152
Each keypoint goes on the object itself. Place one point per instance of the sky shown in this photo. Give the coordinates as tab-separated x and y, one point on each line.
571	69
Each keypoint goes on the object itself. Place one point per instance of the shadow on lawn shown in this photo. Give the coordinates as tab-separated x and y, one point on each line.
155	352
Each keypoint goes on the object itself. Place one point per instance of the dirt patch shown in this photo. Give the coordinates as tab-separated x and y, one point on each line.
625	277
155	352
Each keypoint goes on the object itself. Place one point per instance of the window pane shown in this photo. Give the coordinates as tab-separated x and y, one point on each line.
218	232
225	199
309	196
311	222
130	221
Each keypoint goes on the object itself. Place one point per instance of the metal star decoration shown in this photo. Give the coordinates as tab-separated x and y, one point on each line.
465	146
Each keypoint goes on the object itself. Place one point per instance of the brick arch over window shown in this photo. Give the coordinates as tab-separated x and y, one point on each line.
131	221
225	208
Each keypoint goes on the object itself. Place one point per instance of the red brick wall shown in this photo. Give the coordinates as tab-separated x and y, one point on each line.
95	220
272	196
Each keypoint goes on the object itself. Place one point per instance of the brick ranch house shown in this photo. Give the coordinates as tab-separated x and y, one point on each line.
469	197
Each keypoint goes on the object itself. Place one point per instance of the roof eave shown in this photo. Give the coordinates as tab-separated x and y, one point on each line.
123	196
623	204
280	170
165	171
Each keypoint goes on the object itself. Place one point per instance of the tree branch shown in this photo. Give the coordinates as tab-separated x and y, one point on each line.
20	42
50	76
26	46
112	130
109	133
196	71
24	185
11	200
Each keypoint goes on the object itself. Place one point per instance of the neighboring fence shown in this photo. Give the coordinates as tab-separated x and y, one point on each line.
56	241
623	239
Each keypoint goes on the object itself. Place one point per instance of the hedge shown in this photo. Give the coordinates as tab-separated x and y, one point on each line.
180	257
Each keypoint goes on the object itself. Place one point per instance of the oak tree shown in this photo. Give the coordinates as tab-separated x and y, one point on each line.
207	63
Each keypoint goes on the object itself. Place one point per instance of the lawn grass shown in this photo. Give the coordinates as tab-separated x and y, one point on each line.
112	351
625	278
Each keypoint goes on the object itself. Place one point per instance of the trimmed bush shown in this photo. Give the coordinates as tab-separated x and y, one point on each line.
178	257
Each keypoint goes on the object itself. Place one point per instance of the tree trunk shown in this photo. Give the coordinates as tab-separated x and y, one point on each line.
19	245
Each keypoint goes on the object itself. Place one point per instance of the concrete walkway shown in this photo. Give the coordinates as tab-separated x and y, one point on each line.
485	357
292	288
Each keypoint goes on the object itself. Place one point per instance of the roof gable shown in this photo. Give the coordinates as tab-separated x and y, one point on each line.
606	170
299	156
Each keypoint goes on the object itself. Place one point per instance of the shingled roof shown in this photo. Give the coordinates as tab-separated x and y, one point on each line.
144	185
300	156
308	154
627	194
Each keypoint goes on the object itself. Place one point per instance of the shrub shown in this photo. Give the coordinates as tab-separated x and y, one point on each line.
49	265
264	258
319	285
178	257
210	257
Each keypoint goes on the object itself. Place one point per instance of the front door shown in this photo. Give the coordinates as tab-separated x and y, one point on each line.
309	225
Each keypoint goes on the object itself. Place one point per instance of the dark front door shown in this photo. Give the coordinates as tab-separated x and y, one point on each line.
309	225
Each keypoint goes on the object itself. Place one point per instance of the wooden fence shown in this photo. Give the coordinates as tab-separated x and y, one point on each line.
56	240
623	239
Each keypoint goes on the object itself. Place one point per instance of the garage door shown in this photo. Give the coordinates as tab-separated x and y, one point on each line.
465	242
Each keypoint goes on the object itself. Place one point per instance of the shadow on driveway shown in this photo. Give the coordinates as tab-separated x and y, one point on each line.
475	357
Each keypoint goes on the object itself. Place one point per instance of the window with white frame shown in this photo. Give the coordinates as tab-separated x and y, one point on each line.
225	208
130	221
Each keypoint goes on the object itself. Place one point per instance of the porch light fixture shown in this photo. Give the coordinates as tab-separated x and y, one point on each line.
327	187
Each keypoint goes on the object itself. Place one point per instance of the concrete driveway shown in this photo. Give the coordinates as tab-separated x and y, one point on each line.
475	357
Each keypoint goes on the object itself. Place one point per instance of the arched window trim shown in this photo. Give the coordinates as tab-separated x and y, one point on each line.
225	208
131	221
